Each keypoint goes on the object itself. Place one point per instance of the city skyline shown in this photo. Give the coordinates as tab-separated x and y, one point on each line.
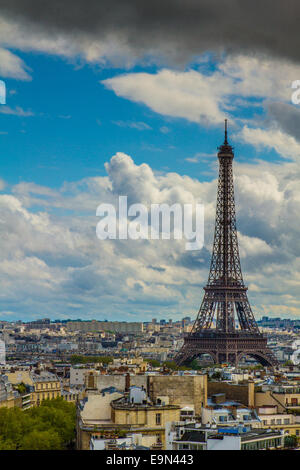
89	119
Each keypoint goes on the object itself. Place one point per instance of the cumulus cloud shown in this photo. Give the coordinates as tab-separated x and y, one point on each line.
49	257
284	144
253	246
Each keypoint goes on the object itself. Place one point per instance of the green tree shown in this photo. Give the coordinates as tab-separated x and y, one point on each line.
171	365
42	440
216	375
49	426
153	362
7	444
77	359
290	441
21	388
195	365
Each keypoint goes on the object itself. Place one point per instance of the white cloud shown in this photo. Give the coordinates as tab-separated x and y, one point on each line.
207	98
18	111
186	95
49	256
284	144
140	126
252	246
11	66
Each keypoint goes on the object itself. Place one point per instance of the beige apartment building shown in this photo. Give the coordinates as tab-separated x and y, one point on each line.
46	386
110	415
285	397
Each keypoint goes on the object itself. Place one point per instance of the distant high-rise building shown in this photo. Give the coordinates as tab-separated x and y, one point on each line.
2	353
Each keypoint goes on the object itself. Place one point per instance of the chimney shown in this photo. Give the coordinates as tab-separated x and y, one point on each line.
127	382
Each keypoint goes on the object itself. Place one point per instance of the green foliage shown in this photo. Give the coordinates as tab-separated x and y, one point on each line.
171	365
41	440
195	365
76	359
153	362
290	441
294	411
256	367
21	388
216	375
50	426
184	368
7	444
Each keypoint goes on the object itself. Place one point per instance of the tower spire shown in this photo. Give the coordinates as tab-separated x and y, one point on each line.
225	140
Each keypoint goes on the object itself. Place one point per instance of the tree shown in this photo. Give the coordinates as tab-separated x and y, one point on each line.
154	363
195	365
49	426
7	444
290	441
21	388
171	365
216	375
77	359
42	440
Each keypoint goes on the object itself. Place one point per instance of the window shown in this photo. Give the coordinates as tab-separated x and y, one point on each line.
158	418
183	446
193	446
222	419
278	421
286	421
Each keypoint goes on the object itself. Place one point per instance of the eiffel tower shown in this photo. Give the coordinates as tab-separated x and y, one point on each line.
225	327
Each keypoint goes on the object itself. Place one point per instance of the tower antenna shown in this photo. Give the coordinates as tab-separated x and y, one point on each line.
225	140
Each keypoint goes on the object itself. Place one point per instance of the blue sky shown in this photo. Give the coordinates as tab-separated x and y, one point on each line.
80	128
77	124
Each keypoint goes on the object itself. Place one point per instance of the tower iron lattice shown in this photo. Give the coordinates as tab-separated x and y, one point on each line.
225	327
